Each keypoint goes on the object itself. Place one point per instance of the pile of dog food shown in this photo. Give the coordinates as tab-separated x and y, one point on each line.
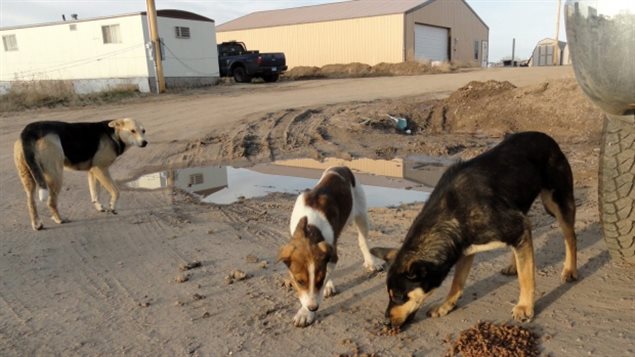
489	339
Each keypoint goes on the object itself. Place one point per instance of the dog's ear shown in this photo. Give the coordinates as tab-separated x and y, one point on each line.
387	254
300	229
327	249
285	254
117	123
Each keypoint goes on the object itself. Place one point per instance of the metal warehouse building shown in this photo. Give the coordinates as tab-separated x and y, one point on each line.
365	31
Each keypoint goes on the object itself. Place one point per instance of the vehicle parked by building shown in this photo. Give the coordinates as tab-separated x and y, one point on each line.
234	60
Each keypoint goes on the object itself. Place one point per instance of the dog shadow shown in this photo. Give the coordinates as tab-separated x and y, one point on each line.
589	268
350	284
497	280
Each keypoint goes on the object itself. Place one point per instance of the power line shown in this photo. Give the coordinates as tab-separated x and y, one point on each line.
79	62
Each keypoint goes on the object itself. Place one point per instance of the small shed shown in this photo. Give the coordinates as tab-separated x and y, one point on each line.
543	54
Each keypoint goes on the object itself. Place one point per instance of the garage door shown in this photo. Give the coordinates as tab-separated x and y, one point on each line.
431	43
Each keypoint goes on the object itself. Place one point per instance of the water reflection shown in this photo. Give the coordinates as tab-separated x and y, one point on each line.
386	182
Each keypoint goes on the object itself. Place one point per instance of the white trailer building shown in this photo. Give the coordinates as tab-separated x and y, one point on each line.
108	52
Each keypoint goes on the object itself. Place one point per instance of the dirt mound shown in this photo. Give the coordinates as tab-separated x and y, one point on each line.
303	72
476	90
496	108
488	339
356	70
461	125
346	70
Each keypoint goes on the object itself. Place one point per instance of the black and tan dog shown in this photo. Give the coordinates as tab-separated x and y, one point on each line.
478	205
46	147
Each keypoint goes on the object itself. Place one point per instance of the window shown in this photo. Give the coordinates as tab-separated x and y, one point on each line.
196	179
10	43
476	47
111	34
72	27
182	32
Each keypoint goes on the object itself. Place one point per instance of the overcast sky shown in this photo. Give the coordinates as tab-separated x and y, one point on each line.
529	21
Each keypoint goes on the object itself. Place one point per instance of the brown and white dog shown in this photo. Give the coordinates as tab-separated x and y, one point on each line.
45	148
318	218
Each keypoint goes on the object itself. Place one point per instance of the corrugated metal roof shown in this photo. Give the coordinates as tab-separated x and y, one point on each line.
320	13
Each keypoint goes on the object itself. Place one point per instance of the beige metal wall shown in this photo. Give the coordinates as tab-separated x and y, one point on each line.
368	40
465	28
392	168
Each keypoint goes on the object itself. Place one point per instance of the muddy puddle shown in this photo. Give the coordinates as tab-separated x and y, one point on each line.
386	182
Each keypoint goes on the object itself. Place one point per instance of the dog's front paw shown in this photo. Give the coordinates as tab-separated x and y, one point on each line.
329	289
59	220
441	310
523	313
373	263
99	207
568	276
37	225
303	318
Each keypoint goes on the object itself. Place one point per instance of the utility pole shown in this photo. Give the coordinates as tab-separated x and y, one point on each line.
513	51
156	46
556	47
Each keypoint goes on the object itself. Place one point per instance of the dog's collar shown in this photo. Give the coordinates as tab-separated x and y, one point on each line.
120	146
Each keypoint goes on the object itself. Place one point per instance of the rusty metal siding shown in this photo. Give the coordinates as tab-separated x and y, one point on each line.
465	28
368	40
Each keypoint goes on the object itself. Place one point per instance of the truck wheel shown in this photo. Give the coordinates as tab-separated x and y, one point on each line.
617	187
271	77
240	75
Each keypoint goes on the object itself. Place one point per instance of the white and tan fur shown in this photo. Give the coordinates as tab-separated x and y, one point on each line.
311	255
48	160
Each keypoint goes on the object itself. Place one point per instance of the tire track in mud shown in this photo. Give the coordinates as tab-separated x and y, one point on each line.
246	218
301	130
272	134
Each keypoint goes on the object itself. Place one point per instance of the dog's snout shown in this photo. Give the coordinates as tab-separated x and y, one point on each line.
144	143
313	307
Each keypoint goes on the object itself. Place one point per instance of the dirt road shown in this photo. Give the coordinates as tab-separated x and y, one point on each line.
109	284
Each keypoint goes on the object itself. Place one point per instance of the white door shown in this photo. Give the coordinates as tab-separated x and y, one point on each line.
484	53
431	43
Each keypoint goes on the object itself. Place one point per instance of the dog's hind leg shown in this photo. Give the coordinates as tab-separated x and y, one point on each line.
360	219
104	178
93	186
329	287
563	207
28	183
524	253
53	177
371	263
461	271
511	268
52	162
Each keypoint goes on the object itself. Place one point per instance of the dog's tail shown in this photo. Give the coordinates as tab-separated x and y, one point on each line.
28	147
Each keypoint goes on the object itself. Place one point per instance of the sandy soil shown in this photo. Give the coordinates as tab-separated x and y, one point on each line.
114	284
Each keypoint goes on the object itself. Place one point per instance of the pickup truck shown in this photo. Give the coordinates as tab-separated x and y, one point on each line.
234	60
